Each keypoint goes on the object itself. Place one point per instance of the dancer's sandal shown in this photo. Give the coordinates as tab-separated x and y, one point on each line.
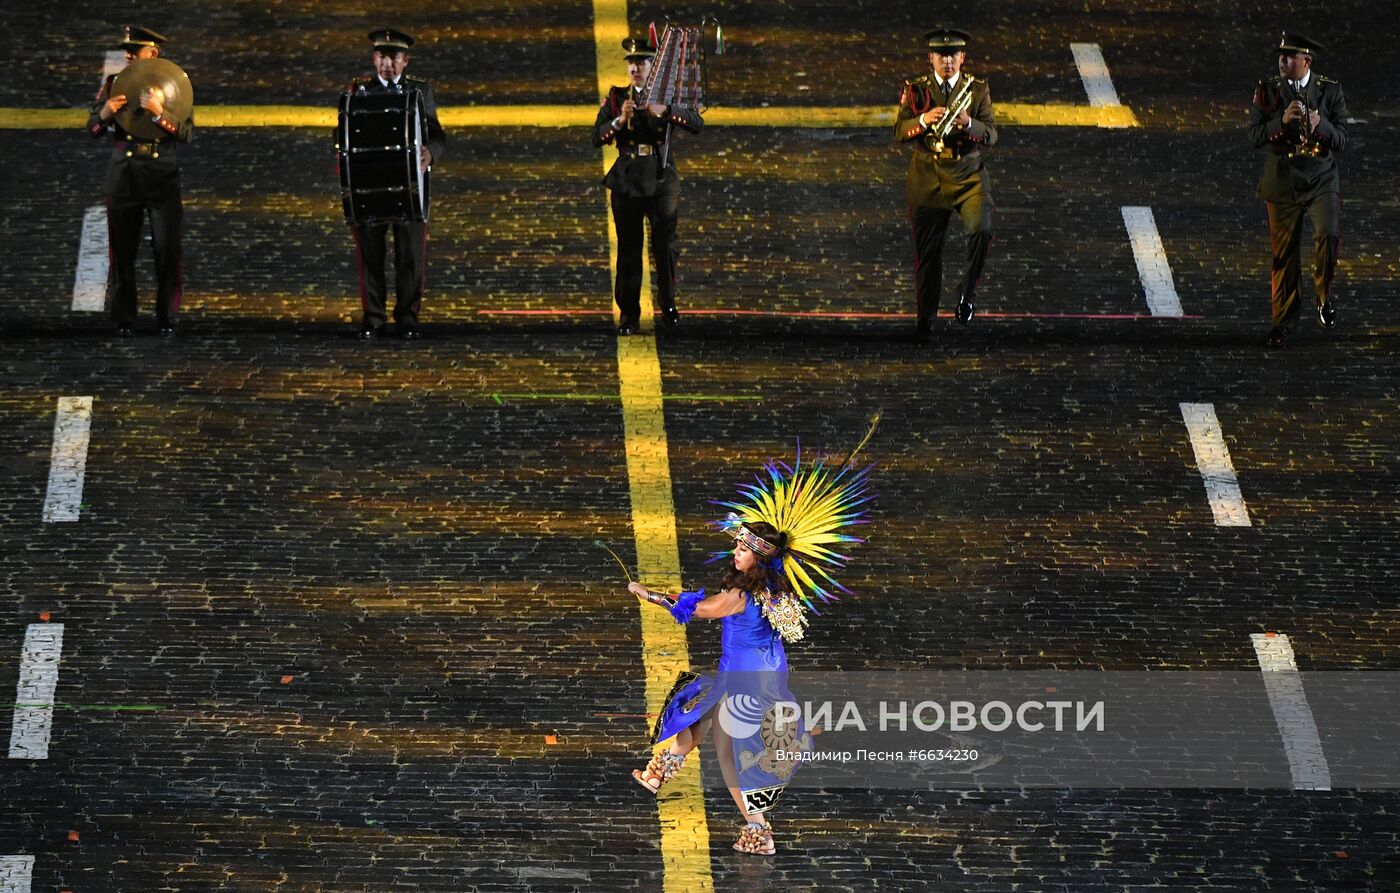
756	838
662	768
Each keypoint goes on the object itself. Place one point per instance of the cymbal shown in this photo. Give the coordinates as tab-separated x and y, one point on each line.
152	74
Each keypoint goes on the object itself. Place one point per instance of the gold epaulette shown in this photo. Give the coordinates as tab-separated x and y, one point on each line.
920	80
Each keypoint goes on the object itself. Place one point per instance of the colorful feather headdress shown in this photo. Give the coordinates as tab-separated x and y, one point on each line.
811	501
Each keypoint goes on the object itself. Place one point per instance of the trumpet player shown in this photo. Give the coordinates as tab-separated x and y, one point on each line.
947	115
1299	118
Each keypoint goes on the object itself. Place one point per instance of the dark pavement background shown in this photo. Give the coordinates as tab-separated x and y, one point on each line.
265	496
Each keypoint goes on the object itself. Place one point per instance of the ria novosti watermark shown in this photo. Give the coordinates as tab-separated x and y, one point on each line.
923	730
934	716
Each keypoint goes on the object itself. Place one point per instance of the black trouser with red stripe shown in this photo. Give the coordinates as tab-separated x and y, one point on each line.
410	270
1285	237
157	194
662	211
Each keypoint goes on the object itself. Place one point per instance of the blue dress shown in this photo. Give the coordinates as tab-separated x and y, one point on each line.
749	699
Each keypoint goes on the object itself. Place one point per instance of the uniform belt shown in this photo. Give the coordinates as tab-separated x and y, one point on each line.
634	151
135	148
950	154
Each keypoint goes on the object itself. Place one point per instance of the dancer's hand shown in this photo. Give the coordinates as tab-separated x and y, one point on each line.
638	590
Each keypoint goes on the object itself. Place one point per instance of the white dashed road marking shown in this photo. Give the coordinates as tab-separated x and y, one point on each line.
1151	257
1093	71
72	428
16	873
1301	742
38	680
1213	460
90	280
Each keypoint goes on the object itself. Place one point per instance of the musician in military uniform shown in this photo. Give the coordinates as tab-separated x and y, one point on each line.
644	185
390	58
143	178
1299	118
946	172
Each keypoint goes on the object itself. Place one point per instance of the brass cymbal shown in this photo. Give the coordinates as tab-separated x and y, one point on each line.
152	74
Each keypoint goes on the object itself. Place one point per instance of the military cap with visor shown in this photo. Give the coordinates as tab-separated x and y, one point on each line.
947	40
1291	43
135	38
633	48
387	40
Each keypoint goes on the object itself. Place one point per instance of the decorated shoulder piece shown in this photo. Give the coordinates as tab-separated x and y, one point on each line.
785	613
916	94
812	502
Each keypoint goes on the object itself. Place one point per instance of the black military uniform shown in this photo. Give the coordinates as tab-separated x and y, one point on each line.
143	178
1300	176
410	237
946	176
642	189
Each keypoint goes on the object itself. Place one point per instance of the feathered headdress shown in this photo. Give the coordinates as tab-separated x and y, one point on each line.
812	502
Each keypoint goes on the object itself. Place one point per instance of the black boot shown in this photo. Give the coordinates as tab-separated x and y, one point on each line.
923	332
965	310
1327	314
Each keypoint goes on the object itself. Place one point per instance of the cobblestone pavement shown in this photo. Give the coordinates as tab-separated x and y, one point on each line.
359	586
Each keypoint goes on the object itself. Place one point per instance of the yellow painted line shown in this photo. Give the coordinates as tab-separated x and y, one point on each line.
1012	113
685	831
1065	115
466	116
265	116
42	119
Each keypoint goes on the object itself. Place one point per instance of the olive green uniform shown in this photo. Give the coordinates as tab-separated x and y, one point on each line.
1295	184
945	180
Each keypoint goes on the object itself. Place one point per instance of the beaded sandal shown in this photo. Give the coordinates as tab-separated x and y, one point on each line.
662	768
756	838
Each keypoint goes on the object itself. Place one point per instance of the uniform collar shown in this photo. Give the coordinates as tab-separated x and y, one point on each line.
1303	84
952	81
388	83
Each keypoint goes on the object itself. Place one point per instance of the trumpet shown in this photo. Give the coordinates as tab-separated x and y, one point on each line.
960	102
1306	145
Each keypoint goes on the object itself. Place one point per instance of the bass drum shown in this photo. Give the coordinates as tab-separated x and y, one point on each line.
377	146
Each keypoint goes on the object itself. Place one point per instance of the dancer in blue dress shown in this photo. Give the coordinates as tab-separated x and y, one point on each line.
783	536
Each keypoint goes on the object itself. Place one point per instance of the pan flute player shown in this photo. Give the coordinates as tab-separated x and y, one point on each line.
947	115
642	188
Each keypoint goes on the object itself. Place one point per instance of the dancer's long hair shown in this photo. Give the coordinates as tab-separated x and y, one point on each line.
764	574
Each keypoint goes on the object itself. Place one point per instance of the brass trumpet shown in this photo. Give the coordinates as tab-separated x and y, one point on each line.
956	106
1306	145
